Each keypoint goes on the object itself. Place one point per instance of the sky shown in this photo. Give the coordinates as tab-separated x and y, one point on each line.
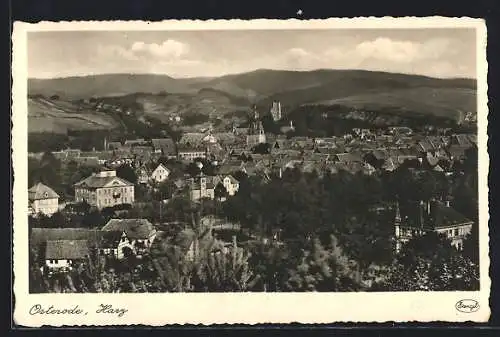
440	53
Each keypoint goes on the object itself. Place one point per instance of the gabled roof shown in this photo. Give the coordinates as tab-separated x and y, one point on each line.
98	182
40	191
426	146
192	137
134	228
232	179
445	216
160	165
167	145
66	249
42	235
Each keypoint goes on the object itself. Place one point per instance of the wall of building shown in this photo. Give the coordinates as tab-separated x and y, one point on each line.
58	263
46	206
104	197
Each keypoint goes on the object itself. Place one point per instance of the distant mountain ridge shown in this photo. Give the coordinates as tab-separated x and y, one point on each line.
259	83
227	96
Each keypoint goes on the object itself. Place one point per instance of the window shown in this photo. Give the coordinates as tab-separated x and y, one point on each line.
56	261
456	232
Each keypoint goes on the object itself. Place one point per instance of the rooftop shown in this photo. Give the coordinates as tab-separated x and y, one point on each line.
66	249
40	191
134	228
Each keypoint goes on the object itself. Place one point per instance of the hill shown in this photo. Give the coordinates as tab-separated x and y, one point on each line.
59	116
108	85
228	96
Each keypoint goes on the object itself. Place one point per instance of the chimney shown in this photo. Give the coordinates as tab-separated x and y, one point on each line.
428	207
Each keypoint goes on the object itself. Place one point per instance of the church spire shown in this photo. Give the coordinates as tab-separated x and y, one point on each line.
397	218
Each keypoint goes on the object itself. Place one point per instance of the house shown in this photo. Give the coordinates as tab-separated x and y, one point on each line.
231	184
62	254
136	234
143	175
165	146
43	199
104	189
436	216
160	173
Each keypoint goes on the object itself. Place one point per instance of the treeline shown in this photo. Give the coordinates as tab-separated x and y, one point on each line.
87	140
337	120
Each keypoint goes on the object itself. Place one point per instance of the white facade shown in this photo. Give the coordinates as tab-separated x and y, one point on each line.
58	263
191	155
45	206
160	174
456	234
107	192
231	185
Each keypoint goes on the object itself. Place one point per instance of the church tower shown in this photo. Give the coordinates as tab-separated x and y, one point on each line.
397	227
256	133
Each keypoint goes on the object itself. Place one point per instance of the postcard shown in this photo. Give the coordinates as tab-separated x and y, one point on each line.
250	171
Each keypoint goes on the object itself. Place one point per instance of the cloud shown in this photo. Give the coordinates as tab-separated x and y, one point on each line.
387	49
170	49
114	51
434	57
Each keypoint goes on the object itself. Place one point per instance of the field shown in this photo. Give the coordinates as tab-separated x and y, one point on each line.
56	116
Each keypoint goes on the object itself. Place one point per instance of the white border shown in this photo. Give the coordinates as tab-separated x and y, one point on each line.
248	308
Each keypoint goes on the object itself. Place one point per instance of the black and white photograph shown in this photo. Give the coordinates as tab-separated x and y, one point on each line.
253	160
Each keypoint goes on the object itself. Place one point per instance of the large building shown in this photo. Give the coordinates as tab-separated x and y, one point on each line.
433	216
104	189
42	199
192	153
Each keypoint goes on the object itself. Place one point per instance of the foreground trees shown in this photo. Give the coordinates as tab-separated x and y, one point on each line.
430	263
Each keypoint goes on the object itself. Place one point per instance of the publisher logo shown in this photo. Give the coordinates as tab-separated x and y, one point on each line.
467	306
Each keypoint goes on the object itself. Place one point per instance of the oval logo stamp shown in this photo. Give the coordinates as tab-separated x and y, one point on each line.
467	306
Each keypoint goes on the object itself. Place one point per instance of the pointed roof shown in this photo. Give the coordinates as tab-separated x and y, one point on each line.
95	181
160	165
40	191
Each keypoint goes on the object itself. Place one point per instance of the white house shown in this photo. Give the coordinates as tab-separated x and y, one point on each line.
160	173
104	189
231	184
43	199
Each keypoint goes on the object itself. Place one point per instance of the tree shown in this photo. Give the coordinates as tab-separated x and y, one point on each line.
220	192
126	172
223	272
471	245
262	148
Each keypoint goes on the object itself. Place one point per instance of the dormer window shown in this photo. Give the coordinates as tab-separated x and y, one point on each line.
46	194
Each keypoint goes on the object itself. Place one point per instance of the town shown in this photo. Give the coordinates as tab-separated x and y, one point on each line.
239	208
